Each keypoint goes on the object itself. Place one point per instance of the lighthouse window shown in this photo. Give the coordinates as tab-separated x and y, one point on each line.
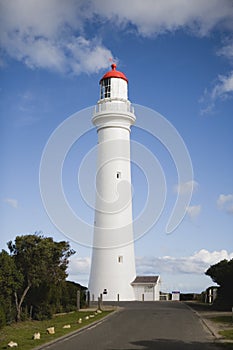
118	175
105	88
120	259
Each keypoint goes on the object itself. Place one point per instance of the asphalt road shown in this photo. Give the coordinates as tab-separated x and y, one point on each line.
148	325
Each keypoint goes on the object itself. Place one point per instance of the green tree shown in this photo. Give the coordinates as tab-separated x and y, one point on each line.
222	274
40	260
11	280
69	295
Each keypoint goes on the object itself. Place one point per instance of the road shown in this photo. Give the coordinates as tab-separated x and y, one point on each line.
148	325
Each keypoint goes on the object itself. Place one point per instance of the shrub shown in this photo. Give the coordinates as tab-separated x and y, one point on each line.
2	317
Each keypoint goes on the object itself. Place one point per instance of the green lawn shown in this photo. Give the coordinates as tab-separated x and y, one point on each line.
22	332
227	333
223	319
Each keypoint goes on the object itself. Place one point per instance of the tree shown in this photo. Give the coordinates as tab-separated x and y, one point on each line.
40	260
69	295
222	274
10	279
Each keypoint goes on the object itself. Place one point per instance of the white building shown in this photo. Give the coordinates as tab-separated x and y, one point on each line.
147	288
175	295
113	261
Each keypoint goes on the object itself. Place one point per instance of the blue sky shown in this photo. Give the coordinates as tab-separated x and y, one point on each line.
178	58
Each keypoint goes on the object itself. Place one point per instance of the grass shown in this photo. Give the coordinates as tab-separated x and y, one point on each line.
22	332
223	319
227	333
226	320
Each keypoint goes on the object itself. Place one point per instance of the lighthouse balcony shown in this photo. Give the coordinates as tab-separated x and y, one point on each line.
114	106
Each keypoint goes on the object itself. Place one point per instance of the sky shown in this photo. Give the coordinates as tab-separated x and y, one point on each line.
178	58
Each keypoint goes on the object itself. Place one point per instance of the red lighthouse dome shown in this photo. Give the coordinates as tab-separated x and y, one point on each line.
114	74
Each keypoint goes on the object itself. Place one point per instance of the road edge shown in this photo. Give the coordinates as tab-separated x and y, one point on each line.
218	337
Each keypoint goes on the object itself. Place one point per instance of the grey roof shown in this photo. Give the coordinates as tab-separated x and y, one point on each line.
145	280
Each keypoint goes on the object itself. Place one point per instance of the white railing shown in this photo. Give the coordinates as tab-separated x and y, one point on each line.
114	106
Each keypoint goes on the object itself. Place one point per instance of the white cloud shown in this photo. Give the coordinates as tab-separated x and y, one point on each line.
79	269
12	202
186	187
79	266
227	49
152	17
87	55
51	34
193	211
225	202
168	267
223	85
198	17
224	198
197	263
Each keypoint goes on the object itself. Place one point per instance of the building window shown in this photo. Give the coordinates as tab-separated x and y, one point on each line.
105	88
148	289
120	259
118	175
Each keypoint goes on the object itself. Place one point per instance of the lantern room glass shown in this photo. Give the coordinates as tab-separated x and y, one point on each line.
105	91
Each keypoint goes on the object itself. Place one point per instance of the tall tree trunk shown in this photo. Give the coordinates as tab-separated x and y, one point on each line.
18	303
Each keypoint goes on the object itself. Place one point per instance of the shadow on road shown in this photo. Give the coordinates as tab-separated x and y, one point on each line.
165	344
200	306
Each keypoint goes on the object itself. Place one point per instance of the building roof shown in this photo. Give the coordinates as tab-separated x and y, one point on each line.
146	279
114	74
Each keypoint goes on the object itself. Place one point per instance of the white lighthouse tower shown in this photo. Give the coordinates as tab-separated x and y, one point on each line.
113	261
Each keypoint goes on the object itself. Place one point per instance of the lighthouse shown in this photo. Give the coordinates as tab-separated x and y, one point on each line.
113	260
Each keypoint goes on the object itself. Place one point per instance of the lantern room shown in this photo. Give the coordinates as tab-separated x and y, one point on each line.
114	85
